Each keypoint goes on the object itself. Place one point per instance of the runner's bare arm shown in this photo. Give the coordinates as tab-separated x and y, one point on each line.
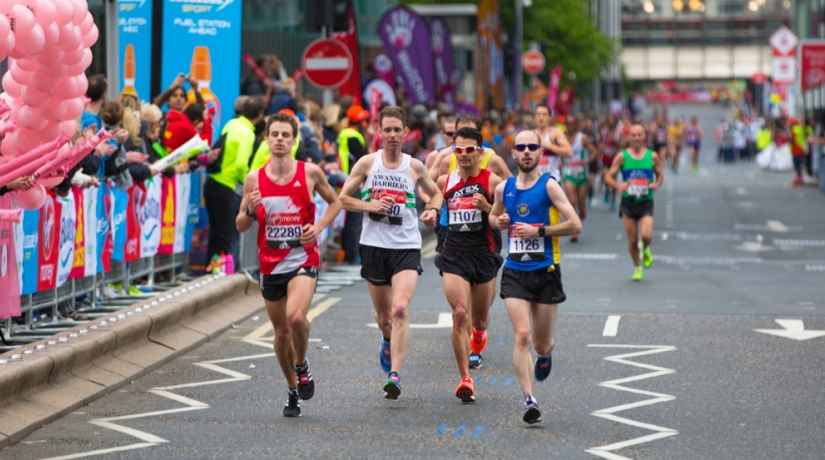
610	176
560	145
657	170
422	177
571	225
434	170
594	152
251	199
356	179
498	166
498	217
310	232
431	159
444	165
480	202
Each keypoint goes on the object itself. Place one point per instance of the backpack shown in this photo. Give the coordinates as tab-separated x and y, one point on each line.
214	167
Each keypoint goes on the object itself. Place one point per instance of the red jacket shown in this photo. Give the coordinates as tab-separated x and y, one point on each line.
179	129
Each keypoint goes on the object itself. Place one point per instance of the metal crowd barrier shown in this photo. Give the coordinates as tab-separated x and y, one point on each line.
90	296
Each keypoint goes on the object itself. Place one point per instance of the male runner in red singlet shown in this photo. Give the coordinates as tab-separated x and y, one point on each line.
281	197
470	261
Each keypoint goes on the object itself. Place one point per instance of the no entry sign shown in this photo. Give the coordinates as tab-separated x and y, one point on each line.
327	63
533	62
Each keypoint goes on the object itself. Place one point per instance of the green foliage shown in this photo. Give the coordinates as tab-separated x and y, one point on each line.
565	27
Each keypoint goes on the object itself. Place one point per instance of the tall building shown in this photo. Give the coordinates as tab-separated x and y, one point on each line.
700	39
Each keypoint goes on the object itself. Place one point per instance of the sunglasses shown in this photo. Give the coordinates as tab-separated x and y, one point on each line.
448	133
468	149
523	147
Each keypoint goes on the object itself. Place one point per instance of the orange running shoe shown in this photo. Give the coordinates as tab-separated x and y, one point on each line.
478	341
465	391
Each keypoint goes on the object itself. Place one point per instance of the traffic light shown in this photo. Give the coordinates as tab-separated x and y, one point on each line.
334	14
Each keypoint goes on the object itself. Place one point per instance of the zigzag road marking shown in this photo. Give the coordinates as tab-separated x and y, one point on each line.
608	413
149	439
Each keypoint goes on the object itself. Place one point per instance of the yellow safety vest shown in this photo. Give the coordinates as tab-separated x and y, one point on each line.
488	153
343	147
763	138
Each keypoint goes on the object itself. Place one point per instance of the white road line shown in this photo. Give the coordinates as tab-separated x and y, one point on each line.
611	326
608	413
103	451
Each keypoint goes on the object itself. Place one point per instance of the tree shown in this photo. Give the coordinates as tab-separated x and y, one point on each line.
566	30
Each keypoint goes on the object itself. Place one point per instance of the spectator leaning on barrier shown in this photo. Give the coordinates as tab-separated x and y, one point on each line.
232	167
97	93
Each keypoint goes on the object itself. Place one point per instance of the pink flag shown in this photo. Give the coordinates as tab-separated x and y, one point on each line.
555	79
9	282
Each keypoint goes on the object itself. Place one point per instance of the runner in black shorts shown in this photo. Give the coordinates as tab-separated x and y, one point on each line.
379	265
469	262
274	287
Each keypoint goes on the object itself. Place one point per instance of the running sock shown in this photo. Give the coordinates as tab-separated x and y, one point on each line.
529	400
303	367
293	391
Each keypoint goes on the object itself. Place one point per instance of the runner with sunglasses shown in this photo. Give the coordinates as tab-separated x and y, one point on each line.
642	173
576	168
469	262
529	205
447	164
553	143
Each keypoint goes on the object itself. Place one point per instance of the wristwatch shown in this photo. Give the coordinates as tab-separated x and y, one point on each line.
246	211
541	231
437	211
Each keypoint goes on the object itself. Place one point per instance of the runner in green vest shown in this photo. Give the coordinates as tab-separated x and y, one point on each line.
642	173
576	168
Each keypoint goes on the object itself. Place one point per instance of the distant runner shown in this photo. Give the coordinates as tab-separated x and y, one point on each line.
529	205
280	196
553	143
576	168
694	142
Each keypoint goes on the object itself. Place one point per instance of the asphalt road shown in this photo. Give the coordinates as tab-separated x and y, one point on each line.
685	375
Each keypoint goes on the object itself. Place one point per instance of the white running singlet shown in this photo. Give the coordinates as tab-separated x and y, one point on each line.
549	163
398	229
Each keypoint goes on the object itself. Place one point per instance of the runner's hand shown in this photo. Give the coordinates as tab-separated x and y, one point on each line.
622	187
254	200
481	203
383	205
524	231
654	186
428	217
503	221
309	234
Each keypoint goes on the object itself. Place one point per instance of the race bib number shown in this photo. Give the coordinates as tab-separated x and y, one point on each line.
638	186
463	215
610	152
661	136
525	250
395	216
545	167
575	169
283	231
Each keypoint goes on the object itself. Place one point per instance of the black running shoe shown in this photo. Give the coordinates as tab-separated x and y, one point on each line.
531	412
306	386
293	405
475	361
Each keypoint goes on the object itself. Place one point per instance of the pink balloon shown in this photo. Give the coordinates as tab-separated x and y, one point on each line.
55	108
7	148
74	109
43	82
20	76
50	131
5	27
5	7
49	56
28	64
11	86
25	140
23	21
81	66
56	70
70	37
64	12
7	45
31	199
33	96
6	97
51	32
70	127
90	38
34	41
82	85
66	89
30	118
50	182
80	11
87	23
74	56
45	12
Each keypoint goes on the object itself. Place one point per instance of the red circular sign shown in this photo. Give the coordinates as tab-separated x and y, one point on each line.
327	63
533	62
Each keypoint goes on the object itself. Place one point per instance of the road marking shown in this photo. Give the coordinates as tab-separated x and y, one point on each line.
460	430
493	380
104	451
321	308
428	250
508	381
441	429
444	320
477	431
261	337
770	227
783	242
611	326
793	329
586	256
608	413
777	226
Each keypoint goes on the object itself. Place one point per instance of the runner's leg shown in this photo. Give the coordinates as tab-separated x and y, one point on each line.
646	230
457	290
544	323
581	190
403	288
299	296
382	301
630	226
283	341
480	314
519	311
570	188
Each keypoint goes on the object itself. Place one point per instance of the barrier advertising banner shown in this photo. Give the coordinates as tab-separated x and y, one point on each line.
135	41
168	197
203	38
9	281
68	222
91	196
30	252
119	229
182	190
132	250
79	262
811	64
406	39
48	237
150	217
443	52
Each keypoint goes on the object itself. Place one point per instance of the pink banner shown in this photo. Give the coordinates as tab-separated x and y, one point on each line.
552	96
9	282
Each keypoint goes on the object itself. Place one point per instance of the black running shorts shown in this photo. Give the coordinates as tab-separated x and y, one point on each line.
635	209
475	267
541	286
273	287
378	265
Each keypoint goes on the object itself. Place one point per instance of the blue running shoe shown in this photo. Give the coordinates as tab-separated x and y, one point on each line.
385	357
393	386
531	411
543	366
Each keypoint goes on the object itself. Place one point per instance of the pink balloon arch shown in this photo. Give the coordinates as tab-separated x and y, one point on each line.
48	44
